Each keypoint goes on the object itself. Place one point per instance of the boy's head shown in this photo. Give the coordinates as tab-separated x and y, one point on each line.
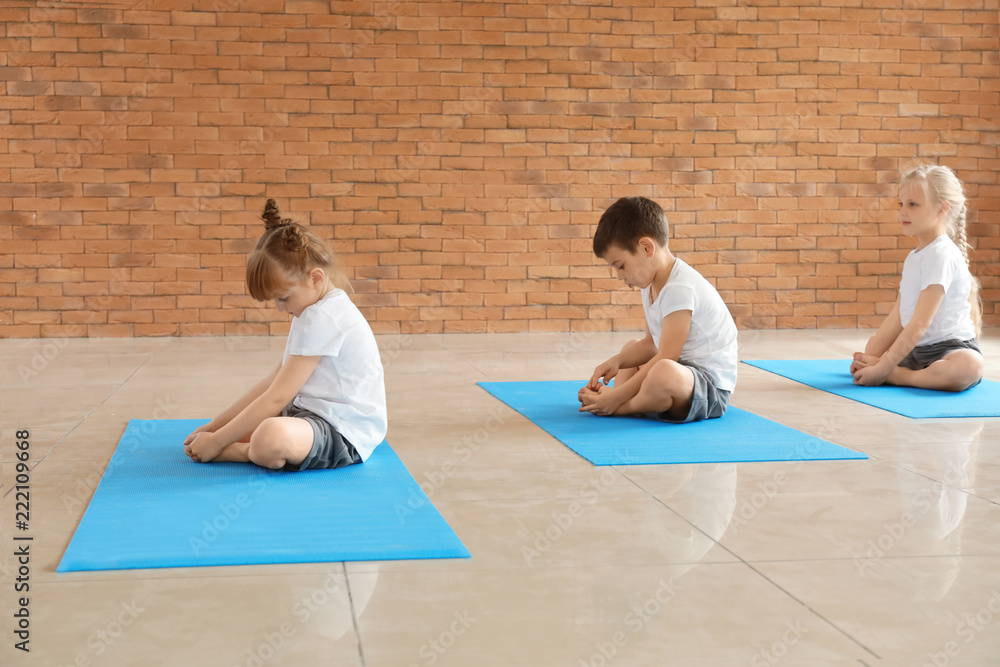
628	220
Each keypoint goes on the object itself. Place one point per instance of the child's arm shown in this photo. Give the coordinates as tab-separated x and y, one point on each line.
227	415
676	328
287	382
887	332
631	357
886	335
923	314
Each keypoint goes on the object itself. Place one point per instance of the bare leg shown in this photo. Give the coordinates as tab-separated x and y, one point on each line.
625	374
238	452
956	371
279	441
668	387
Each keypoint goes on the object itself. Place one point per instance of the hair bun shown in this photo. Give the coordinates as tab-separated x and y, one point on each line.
293	239
272	216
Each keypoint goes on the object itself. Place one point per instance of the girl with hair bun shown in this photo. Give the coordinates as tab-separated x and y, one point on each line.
324	405
929	340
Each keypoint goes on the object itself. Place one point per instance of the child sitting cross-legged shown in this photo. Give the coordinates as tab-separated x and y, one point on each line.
684	369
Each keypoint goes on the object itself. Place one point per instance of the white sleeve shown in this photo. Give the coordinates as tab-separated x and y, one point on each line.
939	270
678	297
314	334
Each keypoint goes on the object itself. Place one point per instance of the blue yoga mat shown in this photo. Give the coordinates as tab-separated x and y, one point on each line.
834	376
737	436
156	508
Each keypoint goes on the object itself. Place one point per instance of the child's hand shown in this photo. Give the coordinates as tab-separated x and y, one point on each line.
870	375
201	429
608	370
602	402
862	360
202	447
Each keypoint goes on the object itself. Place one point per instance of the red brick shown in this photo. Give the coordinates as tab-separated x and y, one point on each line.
479	145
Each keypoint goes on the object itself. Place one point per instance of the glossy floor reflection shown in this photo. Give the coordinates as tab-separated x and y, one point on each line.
890	561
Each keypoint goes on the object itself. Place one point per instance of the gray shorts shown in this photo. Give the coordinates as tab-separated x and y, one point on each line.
923	356
707	400
329	450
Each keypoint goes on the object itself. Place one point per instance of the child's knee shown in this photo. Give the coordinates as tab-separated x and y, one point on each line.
266	456
666	369
268	444
968	370
667	377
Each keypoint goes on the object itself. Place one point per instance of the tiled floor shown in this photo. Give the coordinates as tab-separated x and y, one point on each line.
893	560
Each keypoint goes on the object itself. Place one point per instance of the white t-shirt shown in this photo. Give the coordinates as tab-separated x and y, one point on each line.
347	388
711	343
940	263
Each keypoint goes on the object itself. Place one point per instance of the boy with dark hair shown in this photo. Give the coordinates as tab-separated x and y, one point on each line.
684	369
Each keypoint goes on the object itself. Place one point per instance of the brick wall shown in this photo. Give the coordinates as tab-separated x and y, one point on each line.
457	154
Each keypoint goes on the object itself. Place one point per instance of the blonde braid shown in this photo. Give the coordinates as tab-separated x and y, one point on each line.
957	232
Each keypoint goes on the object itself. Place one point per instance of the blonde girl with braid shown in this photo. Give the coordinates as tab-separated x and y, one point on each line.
928	340
324	405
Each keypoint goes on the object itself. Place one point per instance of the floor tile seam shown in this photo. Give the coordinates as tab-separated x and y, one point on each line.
976	495
965	490
812	610
484	376
354	613
763	561
683	518
92	411
741	560
520	569
46	455
82	420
